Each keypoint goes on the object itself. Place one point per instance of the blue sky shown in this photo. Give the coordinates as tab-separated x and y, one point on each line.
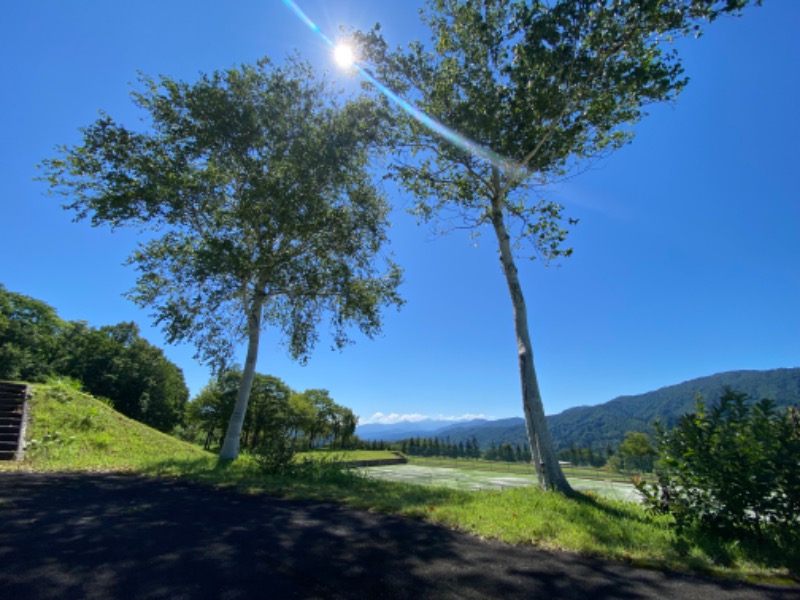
687	256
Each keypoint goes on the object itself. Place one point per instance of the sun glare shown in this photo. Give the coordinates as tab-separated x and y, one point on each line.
344	56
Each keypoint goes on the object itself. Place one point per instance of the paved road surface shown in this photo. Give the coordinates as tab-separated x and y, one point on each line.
112	536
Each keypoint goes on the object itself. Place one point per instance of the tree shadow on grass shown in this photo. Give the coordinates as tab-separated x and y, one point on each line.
721	551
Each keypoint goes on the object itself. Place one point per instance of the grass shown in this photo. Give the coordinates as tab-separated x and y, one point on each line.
71	431
346	455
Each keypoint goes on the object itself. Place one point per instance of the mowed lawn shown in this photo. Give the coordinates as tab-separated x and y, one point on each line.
474	479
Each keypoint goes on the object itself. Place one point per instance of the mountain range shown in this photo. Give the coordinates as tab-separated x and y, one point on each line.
604	425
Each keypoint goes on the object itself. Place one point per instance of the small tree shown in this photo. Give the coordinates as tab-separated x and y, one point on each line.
255	185
636	453
733	468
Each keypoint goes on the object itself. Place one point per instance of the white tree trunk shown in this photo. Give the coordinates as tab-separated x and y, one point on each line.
544	459
230	447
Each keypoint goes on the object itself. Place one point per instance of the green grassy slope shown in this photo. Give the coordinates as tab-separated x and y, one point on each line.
69	430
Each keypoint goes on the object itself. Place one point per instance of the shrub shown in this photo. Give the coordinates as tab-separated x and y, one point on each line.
275	453
733	469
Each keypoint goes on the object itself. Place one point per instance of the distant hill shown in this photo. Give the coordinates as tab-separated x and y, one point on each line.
598	426
500	431
393	432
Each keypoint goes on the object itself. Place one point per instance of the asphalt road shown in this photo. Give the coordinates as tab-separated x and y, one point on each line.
112	536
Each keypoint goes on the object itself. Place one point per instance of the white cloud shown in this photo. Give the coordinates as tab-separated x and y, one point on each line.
392	418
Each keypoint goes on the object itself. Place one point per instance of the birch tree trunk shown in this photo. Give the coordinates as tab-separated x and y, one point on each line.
230	447
549	472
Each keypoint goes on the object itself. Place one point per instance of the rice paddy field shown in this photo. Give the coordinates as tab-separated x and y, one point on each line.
484	479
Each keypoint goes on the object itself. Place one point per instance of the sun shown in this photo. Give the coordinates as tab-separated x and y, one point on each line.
343	54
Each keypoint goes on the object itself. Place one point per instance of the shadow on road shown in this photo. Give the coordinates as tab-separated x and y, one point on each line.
113	536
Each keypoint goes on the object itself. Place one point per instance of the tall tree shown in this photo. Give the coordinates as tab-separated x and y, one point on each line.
513	95
254	183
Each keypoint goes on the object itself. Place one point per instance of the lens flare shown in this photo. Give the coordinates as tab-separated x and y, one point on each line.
445	132
343	54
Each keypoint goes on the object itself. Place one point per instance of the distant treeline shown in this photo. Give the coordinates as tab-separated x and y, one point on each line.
635	454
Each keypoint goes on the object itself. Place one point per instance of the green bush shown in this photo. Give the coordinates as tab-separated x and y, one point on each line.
732	469
275	453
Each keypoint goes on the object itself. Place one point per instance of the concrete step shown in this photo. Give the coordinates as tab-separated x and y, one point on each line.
12	403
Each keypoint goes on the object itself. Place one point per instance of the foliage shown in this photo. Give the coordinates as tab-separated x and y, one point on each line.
583	456
276	411
606	424
635	454
255	185
468	448
732	468
115	362
275	453
29	334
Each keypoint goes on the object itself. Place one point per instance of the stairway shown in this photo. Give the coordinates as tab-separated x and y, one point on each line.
12	406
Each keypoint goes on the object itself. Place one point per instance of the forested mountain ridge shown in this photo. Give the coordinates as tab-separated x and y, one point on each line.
604	425
597	427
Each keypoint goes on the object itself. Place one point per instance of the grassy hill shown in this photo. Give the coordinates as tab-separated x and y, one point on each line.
70	430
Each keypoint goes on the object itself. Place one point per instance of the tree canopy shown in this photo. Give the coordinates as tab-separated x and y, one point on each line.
29	331
254	186
307	418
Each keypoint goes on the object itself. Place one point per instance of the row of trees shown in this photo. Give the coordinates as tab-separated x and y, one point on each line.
635	454
469	449
585	456
112	361
307	418
437	447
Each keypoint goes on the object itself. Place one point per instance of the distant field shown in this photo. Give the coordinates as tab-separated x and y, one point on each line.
519	468
466	478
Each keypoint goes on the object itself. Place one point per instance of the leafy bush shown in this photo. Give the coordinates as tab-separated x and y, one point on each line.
733	469
275	453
